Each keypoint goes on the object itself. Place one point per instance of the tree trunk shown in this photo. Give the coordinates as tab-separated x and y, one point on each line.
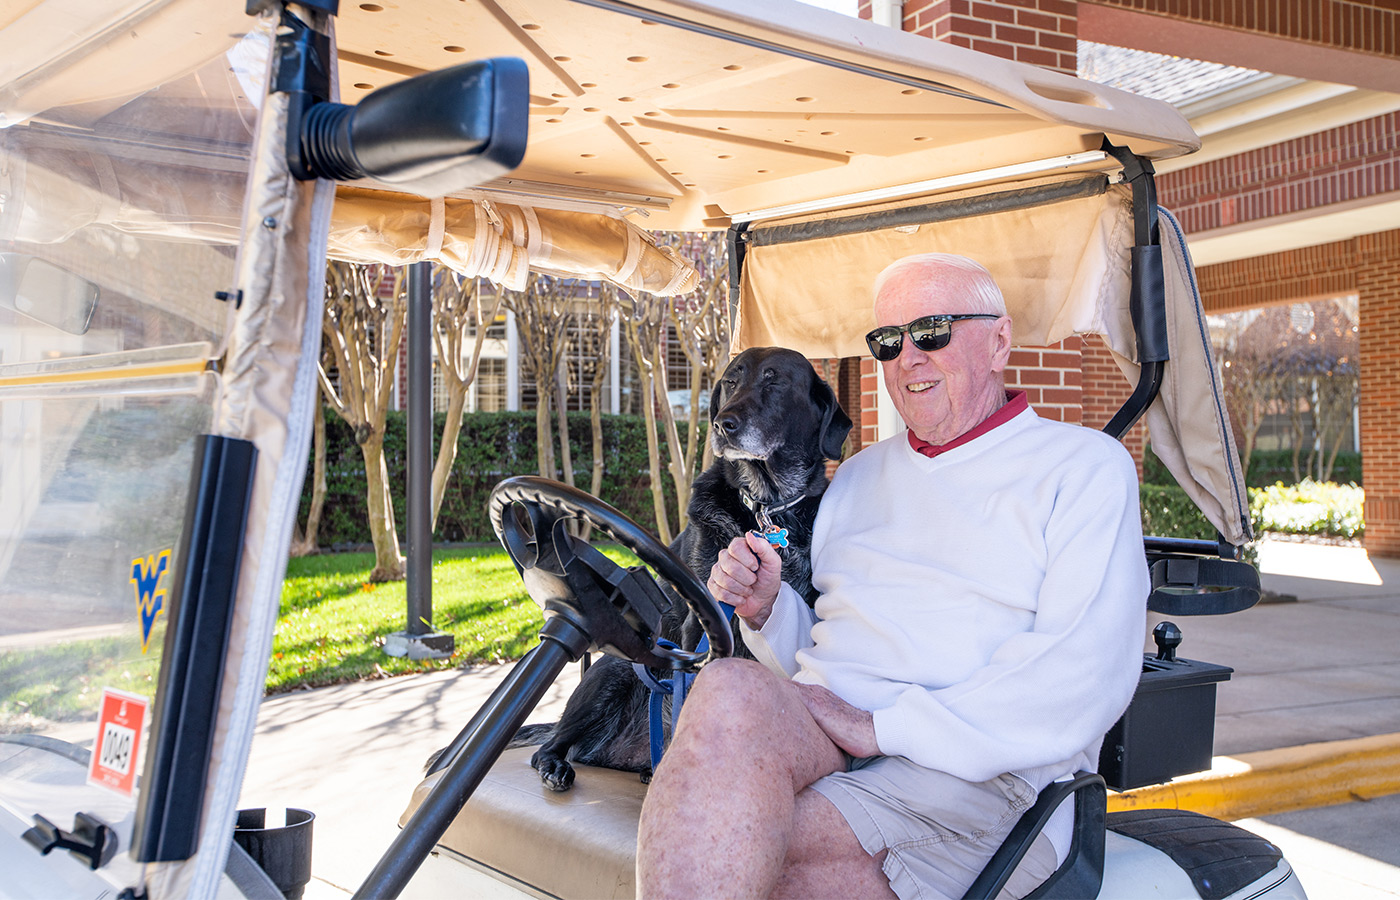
595	419
679	467
658	496
566	456
692	435
388	564
306	541
447	447
544	439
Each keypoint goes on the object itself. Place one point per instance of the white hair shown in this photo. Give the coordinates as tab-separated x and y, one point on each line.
984	297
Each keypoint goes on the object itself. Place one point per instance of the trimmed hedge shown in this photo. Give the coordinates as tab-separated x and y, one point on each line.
1328	509
490	447
1168	512
1266	468
1309	507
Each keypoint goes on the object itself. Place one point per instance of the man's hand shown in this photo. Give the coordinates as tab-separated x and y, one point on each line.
746	576
849	728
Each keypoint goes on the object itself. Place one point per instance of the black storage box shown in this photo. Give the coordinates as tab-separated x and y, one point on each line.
1169	728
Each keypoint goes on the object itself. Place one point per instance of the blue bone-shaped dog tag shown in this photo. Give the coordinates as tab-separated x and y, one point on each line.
778	538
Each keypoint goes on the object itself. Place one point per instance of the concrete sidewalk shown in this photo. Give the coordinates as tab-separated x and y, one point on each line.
1322	668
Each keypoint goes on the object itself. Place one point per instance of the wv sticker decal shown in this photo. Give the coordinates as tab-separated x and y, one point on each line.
147	577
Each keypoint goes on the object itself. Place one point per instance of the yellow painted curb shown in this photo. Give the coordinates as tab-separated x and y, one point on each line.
1275	781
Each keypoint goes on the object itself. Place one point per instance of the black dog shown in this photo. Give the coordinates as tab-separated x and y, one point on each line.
773	425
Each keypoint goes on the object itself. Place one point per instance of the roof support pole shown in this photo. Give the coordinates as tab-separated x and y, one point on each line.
418	640
1148	300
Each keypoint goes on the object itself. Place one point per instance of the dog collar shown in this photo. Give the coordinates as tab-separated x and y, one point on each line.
763	512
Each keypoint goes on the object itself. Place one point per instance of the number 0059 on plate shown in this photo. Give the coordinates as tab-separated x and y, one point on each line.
119	729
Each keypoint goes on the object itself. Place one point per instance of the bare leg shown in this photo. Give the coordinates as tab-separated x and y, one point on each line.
825	859
722	812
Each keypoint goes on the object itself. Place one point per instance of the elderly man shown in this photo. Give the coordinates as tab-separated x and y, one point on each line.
979	629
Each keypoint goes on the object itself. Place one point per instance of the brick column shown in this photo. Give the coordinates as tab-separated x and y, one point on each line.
1042	33
869	419
1105	390
1378	287
1051	378
1039	32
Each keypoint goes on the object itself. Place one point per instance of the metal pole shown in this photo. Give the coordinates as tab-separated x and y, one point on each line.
420	449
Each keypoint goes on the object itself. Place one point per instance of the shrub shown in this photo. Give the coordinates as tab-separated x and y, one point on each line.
1168	512
490	447
1266	467
1269	467
1309	507
1332	510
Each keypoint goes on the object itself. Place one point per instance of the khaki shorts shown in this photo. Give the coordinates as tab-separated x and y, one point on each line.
939	830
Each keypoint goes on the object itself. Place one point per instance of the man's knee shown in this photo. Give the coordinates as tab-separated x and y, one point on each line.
729	696
735	690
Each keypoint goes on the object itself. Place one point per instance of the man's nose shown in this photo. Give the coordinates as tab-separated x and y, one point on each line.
910	355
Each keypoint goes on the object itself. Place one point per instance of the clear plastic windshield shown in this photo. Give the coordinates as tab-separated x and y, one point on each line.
119	221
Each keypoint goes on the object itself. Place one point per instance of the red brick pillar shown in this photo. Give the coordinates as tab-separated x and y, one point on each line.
1051	378
1105	390
1378	287
1042	33
868	422
1039	32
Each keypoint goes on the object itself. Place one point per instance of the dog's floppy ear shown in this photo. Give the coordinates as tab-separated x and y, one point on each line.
835	423
715	398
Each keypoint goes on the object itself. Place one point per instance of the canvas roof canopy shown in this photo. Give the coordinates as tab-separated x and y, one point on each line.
700	110
685	113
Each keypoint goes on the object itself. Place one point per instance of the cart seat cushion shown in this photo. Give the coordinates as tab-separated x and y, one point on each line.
1219	857
580	843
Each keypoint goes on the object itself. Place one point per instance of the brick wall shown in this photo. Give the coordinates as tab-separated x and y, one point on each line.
1290	276
1105	390
869	419
1051	378
1378	287
1343	164
1039	32
1370	26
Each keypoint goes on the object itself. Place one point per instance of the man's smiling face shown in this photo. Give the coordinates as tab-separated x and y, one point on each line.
942	393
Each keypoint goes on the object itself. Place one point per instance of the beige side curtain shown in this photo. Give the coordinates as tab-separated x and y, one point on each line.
503	241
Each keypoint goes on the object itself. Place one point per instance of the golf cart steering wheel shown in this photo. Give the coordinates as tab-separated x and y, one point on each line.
620	608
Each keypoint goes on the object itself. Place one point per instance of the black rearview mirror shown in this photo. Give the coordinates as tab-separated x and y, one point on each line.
429	135
46	293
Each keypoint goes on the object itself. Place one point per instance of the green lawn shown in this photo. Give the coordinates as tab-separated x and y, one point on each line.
333	621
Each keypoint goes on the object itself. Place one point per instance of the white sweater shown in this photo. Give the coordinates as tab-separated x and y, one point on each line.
987	605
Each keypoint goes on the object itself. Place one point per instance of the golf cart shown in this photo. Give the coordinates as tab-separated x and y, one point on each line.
173	174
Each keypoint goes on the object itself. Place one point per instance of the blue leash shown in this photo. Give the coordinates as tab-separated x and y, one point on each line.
676	687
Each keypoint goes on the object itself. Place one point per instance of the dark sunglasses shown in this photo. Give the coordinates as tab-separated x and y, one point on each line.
928	333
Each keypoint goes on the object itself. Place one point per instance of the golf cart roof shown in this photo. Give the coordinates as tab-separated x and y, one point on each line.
700	111
693	111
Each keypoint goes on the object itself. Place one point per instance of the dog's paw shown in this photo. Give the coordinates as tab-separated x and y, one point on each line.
558	776
556	773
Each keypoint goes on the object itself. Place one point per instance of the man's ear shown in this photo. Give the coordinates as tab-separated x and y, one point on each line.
835	423
1001	344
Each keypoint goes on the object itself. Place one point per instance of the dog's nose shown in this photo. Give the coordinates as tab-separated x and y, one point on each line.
730	423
